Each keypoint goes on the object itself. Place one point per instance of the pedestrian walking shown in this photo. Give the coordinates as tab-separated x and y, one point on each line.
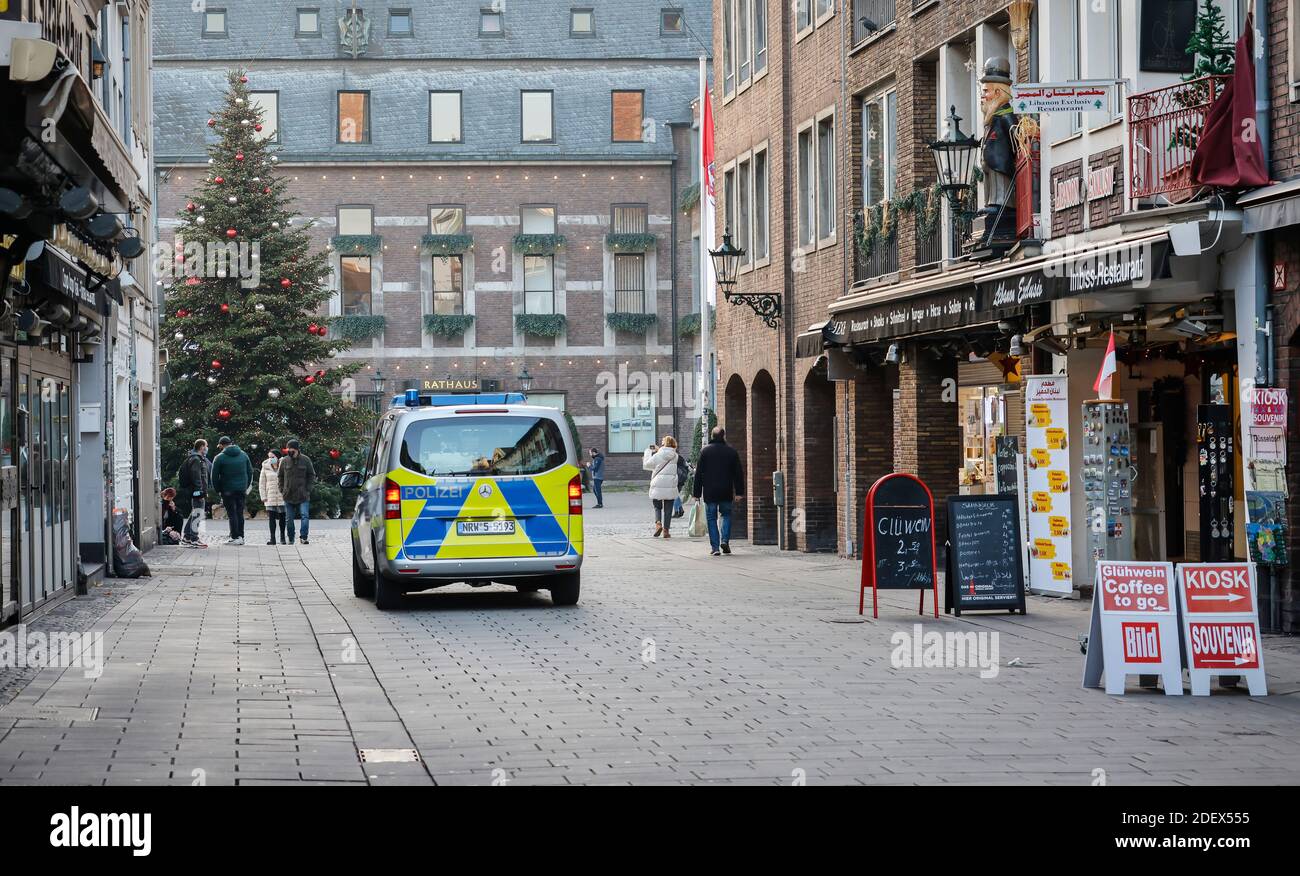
597	469
268	487
296	477
719	480
232	478
193	480
683	477
661	462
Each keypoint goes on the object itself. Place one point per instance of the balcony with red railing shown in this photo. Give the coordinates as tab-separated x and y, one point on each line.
1164	125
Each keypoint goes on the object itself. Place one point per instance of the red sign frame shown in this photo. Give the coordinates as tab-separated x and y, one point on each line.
869	550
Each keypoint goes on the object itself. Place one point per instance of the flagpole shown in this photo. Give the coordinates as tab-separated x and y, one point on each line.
706	243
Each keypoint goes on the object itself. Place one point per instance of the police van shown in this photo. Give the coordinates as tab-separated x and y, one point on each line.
468	488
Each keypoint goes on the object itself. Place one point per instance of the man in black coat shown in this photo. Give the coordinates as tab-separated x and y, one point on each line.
719	480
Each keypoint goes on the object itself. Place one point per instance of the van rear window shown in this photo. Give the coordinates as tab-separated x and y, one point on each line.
483	445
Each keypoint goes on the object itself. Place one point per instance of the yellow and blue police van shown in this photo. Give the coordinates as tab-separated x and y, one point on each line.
474	489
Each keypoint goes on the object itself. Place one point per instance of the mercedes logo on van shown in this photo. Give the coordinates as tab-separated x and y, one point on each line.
485	490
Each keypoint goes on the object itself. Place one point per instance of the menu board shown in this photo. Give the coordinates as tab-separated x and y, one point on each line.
984	571
1008	469
902	535
1047	481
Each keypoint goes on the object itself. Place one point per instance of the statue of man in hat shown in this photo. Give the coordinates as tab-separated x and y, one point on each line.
999	145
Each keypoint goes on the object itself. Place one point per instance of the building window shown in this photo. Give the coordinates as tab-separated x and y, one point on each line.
672	22
448	284
629	282
630	219
308	22
824	8
742	210
491	22
1101	26
760	206
826	177
268	104
880	13
729	200
582	22
747	21
742	9
536	117
630	417
547	399
214	23
760	36
446	220
728	53
879	153
356	285
627	109
399	23
539	284
444	117
539	270
803	17
356	220
807	192
354	117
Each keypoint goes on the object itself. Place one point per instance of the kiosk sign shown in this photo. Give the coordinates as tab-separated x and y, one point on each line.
1220	624
1134	627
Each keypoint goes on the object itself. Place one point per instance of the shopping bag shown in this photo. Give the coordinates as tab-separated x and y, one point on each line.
695	525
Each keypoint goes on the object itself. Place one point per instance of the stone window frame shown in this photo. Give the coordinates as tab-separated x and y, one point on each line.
831	113
298	32
801	198
801	31
460	120
582	34
338	211
524	256
647	282
465	264
548	91
763	149
613	93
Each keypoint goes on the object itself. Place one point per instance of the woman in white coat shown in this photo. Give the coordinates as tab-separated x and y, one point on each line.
661	462
268	487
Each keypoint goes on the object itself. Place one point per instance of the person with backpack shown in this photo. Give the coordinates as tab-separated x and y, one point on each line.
232	476
661	462
193	480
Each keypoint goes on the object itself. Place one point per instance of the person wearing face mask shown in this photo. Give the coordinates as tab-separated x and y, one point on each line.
296	477
268	487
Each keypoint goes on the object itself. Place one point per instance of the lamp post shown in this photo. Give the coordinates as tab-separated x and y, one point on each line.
525	379
380	381
726	262
954	160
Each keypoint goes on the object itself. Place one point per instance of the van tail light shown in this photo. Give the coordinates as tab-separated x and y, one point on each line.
575	495
392	500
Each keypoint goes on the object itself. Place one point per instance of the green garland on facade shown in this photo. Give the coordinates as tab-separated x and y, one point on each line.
879	223
689	325
446	244
358	244
637	323
358	328
630	242
539	244
542	325
447	325
690	198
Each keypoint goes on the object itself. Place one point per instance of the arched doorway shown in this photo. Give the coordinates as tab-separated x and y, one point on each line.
817	465
764	520
735	413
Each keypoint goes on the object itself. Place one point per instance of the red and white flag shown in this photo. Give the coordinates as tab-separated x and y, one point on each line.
1107	372
708	188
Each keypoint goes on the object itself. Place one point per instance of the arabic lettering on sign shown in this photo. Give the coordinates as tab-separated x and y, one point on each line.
1036	98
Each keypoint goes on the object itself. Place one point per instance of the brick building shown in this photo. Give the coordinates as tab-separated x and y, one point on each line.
914	316
501	188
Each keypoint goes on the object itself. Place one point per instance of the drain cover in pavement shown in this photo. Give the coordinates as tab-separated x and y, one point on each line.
851	619
389	755
49	713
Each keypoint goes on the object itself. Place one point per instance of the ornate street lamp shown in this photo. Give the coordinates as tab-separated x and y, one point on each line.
525	379
954	159
726	262
379	380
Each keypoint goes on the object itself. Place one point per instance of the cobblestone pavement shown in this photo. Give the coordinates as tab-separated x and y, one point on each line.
256	665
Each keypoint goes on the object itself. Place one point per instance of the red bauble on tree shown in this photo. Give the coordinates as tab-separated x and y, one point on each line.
224	414
191	281
212	123
216	364
191	207
218	179
266	191
257	127
225	308
312	328
239	156
335	453
230	232
286	282
310	378
243	79
182	313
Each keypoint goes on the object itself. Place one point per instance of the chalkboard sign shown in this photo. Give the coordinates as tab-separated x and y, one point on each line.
1008	467
898	541
985	569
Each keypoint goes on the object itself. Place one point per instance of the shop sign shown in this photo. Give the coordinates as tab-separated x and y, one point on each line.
1046	97
1101	182
69	280
1268	408
454	384
1047	482
1220	624
1134	629
950	309
1068	193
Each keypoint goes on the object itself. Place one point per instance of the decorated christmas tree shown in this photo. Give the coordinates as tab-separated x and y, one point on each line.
247	355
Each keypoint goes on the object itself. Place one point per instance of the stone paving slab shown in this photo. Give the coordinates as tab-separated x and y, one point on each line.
256	665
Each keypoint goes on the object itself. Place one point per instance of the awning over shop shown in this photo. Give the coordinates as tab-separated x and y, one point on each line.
817	338
1272	207
56	276
973	298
